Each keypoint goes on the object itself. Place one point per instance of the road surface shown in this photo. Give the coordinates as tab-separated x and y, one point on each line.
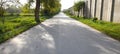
61	35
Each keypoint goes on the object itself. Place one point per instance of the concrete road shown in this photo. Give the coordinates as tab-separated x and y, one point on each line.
61	35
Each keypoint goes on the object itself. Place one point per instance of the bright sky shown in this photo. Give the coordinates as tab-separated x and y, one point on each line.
23	1
65	3
68	3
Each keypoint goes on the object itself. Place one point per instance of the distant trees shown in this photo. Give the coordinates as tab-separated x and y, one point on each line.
78	6
25	8
13	9
49	7
30	2
45	7
4	4
2	11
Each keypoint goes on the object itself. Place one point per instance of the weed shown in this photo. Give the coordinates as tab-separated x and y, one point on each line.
111	29
15	25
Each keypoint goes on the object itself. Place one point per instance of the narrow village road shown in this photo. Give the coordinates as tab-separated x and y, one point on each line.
61	35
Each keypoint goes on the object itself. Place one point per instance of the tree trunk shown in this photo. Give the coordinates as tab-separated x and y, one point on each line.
3	19
37	8
2	14
78	13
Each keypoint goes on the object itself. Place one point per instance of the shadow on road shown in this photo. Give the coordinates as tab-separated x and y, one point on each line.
61	35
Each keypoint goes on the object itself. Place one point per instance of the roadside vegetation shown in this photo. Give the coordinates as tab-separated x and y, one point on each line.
15	25
108	28
16	17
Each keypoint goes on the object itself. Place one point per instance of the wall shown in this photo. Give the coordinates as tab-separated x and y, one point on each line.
88	9
116	16
92	7
98	9
106	10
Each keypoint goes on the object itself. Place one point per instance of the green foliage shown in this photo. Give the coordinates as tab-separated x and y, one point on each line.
15	25
79	5
25	8
94	19
68	11
111	29
47	7
2	11
51	9
30	2
13	10
4	4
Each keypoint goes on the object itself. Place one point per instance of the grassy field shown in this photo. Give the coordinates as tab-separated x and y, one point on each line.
15	25
111	29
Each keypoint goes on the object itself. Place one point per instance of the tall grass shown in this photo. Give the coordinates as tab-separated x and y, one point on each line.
111	29
15	25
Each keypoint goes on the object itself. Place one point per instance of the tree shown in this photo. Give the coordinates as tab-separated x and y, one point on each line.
48	8
78	6
51	9
37	8
13	9
5	4
30	2
25	8
1	11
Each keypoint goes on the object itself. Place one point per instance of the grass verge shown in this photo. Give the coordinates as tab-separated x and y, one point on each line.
15	25
111	29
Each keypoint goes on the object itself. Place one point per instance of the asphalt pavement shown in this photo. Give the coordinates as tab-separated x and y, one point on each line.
61	35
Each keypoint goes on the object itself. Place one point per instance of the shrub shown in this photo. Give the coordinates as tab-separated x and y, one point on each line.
95	19
1	29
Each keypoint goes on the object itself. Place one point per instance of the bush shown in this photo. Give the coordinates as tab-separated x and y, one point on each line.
95	19
15	25
1	29
111	29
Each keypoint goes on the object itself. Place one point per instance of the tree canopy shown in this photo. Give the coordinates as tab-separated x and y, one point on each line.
44	7
50	7
4	4
78	6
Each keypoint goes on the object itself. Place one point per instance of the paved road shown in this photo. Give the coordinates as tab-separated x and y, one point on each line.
61	35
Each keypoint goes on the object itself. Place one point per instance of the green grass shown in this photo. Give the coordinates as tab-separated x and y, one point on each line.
111	29
15	25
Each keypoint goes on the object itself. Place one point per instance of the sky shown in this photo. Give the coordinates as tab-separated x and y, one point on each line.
23	1
65	3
